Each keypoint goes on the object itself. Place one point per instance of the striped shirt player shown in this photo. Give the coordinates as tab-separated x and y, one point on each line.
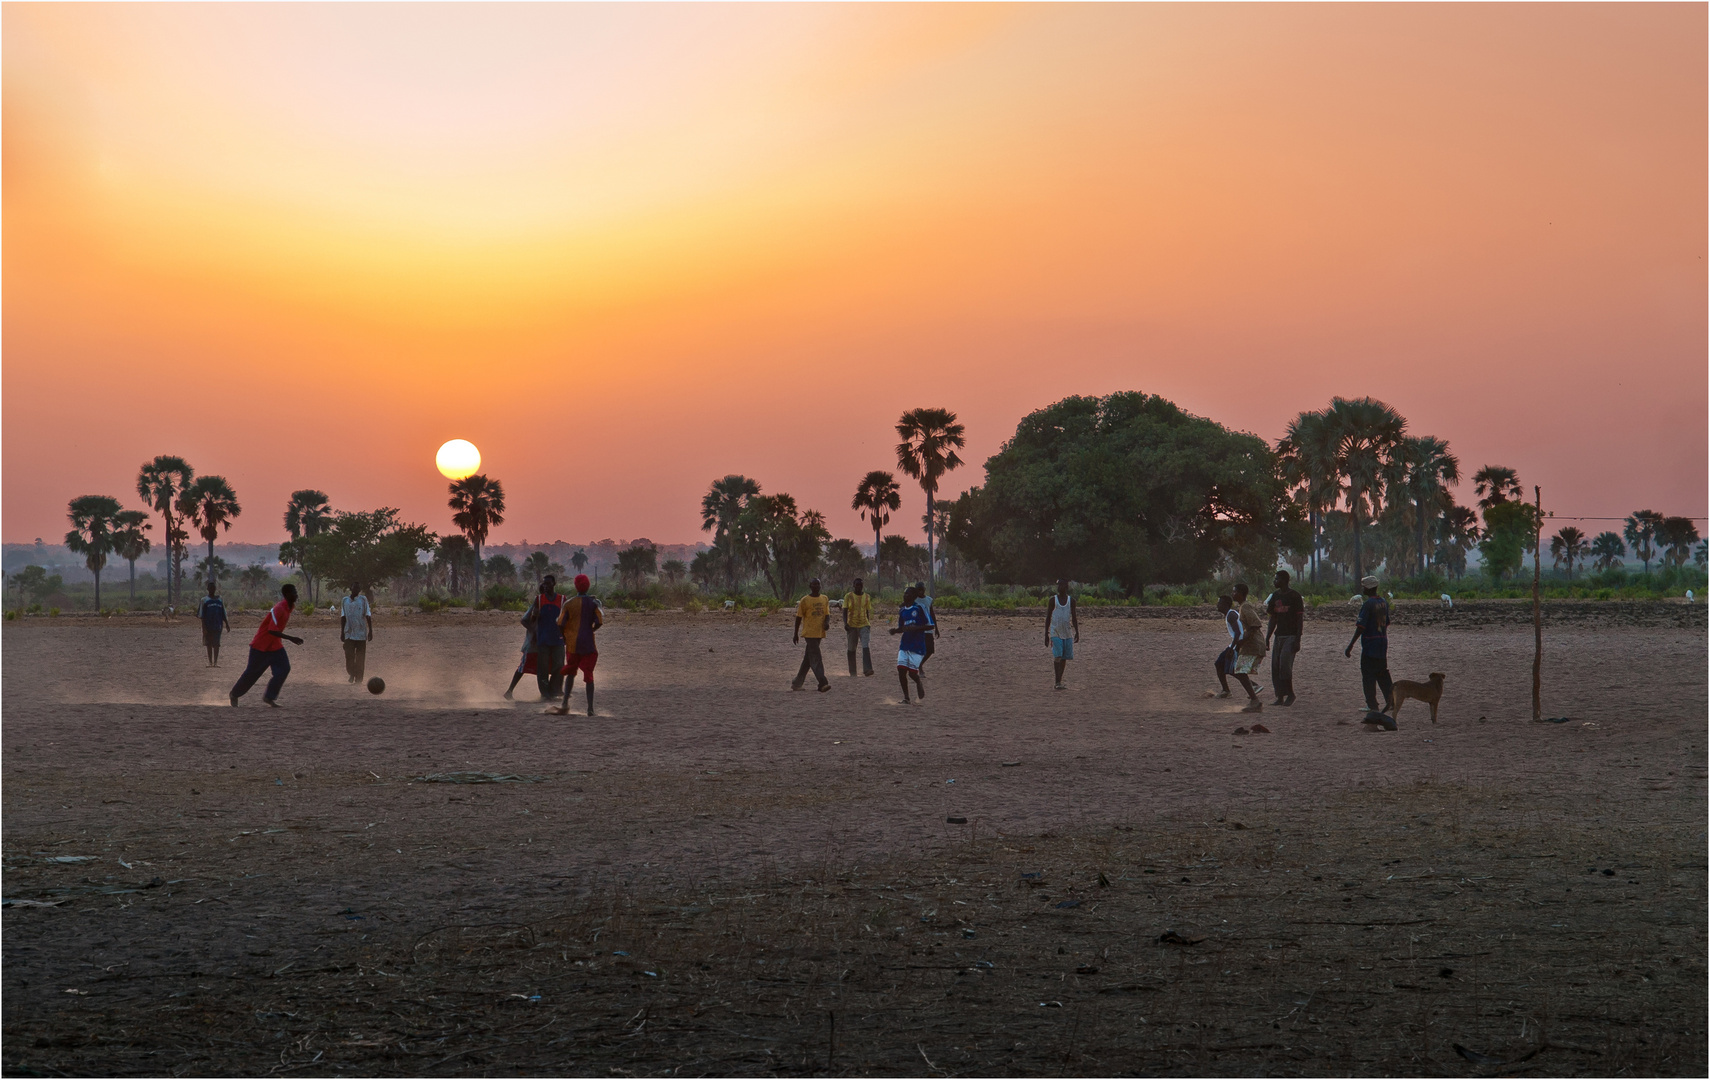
581	619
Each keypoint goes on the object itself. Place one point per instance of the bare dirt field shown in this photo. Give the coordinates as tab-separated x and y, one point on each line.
718	876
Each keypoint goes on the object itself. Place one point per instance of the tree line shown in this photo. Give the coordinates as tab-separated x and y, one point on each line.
1127	488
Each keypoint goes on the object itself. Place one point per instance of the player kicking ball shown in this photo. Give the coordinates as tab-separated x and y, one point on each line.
267	650
582	617
913	624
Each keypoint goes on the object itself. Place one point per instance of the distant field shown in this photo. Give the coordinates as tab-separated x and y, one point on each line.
716	875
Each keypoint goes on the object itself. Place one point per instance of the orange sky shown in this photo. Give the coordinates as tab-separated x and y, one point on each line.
626	249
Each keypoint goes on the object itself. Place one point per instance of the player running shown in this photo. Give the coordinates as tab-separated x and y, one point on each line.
267	650
914	624
582	617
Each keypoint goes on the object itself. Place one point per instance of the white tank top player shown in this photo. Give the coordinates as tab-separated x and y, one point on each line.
1061	626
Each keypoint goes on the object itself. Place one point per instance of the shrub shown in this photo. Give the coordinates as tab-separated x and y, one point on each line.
507	597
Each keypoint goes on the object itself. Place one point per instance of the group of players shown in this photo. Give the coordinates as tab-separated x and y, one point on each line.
559	641
1283	617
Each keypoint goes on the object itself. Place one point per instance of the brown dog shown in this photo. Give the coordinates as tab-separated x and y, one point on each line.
1428	692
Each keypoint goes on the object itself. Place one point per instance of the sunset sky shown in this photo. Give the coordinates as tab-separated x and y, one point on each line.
626	249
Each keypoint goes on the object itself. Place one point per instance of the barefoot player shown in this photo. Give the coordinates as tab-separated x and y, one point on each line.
913	624
267	650
582	617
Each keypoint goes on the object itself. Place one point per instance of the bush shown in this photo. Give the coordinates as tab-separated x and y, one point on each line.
506	597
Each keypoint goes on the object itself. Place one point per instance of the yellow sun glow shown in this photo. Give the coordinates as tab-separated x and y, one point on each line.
458	458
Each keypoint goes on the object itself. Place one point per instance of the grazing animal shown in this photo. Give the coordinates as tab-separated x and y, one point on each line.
1448	602
1429	692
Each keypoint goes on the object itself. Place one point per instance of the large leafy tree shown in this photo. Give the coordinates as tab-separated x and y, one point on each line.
1640	530
1510	531
307	514
1127	487
160	482
930	439
1428	470
1368	439
1568	547
366	547
209	504
478	504
91	534
1607	550
876	496
130	540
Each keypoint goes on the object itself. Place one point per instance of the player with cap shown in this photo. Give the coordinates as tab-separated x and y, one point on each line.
1371	630
582	617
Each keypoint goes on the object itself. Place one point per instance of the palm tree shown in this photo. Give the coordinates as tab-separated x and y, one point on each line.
1430	467
307	514
209	504
537	566
1607	550
1496	484
1567	546
875	497
91	533
129	541
1309	462
1640	529
160	482
1457	533
578	560
1677	535
673	570
479	504
1368	433
723	503
930	439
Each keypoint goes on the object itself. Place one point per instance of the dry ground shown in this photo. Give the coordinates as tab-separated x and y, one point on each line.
718	876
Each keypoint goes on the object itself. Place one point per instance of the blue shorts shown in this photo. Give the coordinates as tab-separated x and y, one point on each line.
1062	648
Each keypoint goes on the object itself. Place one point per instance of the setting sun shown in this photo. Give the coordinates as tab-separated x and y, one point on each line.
457	459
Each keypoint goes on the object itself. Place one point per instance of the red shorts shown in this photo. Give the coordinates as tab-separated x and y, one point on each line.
585	661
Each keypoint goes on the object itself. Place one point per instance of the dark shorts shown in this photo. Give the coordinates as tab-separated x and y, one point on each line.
931	646
211	637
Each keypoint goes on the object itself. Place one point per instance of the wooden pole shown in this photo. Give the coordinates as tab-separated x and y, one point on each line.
1537	608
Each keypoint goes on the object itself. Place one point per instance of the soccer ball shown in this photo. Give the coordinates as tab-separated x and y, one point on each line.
376	685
